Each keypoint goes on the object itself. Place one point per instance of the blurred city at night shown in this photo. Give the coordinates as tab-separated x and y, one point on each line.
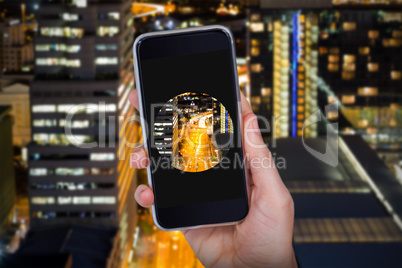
310	69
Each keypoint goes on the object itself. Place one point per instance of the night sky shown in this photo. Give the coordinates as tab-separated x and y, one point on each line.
13	7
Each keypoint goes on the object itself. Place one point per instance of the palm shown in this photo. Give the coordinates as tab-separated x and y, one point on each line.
247	244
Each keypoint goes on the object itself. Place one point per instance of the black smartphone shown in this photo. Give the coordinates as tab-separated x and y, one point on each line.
189	102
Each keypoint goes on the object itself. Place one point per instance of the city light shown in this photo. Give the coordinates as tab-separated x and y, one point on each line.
294	59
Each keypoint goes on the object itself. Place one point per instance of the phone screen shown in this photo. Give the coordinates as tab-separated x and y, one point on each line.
189	95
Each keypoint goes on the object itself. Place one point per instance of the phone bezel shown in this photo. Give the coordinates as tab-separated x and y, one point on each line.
145	133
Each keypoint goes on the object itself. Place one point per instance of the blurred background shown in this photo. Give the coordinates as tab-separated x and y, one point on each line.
65	206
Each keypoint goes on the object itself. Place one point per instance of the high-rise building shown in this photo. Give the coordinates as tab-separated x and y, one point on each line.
7	181
303	55
79	171
16	54
282	55
360	60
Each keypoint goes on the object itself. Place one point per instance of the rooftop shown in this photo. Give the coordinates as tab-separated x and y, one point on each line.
89	246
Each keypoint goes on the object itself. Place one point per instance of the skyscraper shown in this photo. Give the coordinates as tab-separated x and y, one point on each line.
360	55
79	171
283	61
16	54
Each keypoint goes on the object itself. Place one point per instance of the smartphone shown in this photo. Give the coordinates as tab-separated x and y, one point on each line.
189	101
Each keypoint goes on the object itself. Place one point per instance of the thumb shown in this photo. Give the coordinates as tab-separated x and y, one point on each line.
268	188
261	164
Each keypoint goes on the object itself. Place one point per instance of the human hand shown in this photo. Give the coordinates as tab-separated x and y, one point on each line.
264	238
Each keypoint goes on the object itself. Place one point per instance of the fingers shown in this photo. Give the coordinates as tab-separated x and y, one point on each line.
144	196
133	98
262	167
139	158
245	106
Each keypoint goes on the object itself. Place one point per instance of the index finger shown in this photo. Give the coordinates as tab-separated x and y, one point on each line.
133	98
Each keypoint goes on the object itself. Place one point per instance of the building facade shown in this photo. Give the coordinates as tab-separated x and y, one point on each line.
301	60
16	53
360	64
82	126
17	95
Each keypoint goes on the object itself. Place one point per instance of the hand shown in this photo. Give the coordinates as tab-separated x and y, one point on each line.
264	238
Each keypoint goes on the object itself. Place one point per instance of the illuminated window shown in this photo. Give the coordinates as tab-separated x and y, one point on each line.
257	27
367	91
103	171
106	47
64	200
73	63
373	67
73	32
44	108
255	42
80	3
324	35
73	48
107	30
62	32
70	17
52	31
349	58
44	123
373	34
41	138
323	50
110	200
391	42
81	200
113	15
364	50
56	139
333	58
256	100
255	51
106	61
42	47
256	67
38	171
396	75
333	67
349	67
265	92
396	34
348	75
74	123
334	50
348	99
255	17
58	47
349	26
39	200
363	123
70	171
102	156
58	61
64	108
